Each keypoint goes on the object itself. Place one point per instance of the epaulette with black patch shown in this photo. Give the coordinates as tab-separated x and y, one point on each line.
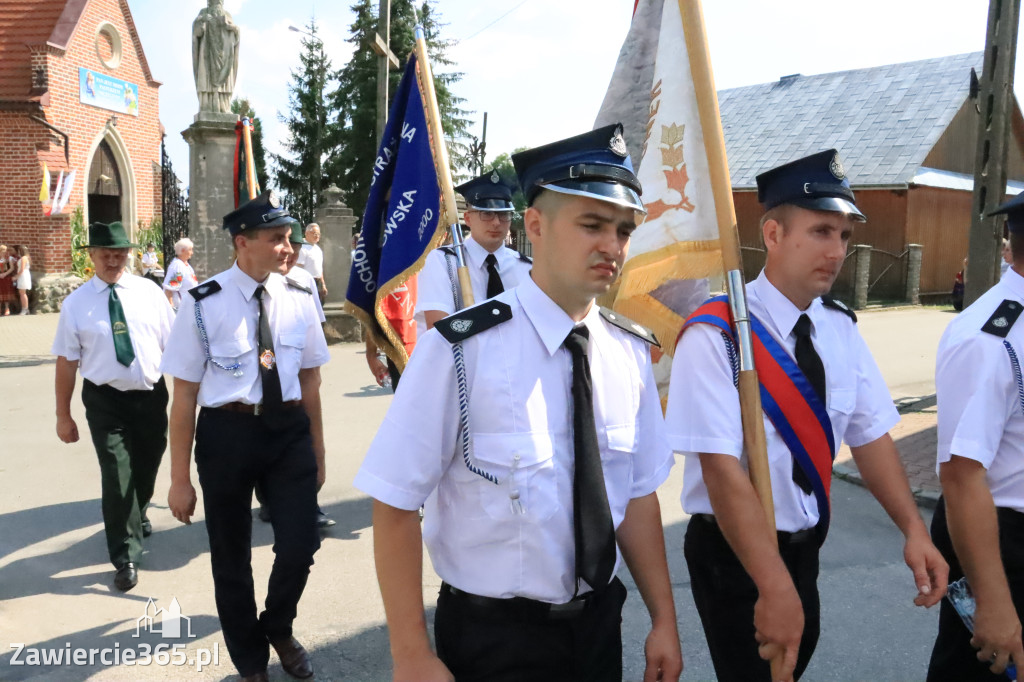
526	259
295	285
471	321
629	326
205	289
1003	318
832	303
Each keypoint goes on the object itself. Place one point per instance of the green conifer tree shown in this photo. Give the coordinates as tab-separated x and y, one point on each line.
355	99
300	173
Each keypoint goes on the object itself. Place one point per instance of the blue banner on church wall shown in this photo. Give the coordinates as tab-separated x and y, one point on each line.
107	92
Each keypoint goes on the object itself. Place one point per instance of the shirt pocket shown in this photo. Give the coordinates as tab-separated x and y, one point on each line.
841	404
290	349
231	351
524	466
617	463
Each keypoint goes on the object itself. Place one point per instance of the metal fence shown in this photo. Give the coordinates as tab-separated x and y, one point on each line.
173	206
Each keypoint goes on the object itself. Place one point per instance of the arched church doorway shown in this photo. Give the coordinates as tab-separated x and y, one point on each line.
105	186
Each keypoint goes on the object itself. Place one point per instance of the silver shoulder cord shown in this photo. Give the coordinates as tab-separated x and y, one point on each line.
236	367
462	387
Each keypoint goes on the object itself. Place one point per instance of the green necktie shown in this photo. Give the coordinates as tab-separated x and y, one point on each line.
119	327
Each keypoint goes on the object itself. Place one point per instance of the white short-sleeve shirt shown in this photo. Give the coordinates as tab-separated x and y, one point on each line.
84	333
304	278
703	412
231	321
515	537
980	392
311	259
434	286
180	277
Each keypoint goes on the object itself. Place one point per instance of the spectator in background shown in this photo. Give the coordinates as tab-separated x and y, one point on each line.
180	275
24	277
7	270
150	263
311	259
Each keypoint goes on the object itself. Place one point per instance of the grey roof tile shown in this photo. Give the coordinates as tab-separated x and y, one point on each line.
884	120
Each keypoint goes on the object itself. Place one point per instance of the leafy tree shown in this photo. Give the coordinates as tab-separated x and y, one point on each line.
300	172
355	99
243	108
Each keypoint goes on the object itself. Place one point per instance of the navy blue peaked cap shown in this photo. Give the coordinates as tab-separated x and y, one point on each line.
817	182
594	164
261	212
487	193
1014	212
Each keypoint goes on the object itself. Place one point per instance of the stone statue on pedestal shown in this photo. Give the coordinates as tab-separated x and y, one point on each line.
214	57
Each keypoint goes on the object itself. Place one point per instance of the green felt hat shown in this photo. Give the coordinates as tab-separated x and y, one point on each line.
108	236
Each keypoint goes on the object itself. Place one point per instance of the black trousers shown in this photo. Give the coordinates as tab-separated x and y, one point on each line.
479	643
725	596
129	432
953	657
234	451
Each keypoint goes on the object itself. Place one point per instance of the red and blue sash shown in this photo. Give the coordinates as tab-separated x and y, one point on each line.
788	400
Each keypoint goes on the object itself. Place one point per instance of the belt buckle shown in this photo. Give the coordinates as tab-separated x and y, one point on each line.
257	409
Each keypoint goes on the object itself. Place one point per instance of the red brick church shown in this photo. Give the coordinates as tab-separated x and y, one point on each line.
77	95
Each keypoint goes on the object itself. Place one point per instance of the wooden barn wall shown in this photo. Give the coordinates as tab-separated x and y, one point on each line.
938	219
956	147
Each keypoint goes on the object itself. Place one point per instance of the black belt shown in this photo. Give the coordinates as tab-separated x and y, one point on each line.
247	408
521	607
785	537
111	391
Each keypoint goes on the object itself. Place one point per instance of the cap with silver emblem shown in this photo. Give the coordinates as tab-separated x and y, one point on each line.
487	193
817	182
594	164
259	213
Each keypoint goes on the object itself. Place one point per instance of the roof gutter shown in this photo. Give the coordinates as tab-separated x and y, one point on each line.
67	150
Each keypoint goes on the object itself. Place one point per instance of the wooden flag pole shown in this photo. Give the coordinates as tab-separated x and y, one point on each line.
728	235
444	175
250	162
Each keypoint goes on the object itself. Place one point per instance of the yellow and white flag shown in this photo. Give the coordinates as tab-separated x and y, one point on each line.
676	249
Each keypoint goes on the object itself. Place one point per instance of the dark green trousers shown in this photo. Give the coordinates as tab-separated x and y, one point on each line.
129	432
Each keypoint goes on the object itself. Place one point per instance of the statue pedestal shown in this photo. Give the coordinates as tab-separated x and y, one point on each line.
337	225
211	142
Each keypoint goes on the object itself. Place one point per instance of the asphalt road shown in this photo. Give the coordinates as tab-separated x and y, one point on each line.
55	588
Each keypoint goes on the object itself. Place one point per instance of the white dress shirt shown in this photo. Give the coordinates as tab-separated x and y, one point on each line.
311	259
231	319
703	411
180	278
83	332
434	286
515	538
305	279
980	394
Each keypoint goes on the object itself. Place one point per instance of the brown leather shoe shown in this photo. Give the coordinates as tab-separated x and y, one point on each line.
294	658
258	677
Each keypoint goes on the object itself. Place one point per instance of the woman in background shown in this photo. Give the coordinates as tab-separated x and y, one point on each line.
7	269
180	275
24	280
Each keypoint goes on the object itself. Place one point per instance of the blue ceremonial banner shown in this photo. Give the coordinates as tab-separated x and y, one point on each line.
400	224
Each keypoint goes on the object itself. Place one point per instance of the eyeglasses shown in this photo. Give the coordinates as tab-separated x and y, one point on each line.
500	217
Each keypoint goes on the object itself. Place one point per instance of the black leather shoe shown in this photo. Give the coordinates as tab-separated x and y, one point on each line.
294	658
258	677
126	577
323	520
147	528
264	513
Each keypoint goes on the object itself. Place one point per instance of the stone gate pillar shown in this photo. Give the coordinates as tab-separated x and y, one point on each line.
862	276
913	293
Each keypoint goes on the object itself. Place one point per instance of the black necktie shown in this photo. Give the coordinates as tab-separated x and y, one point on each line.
119	329
494	285
268	361
810	364
592	518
